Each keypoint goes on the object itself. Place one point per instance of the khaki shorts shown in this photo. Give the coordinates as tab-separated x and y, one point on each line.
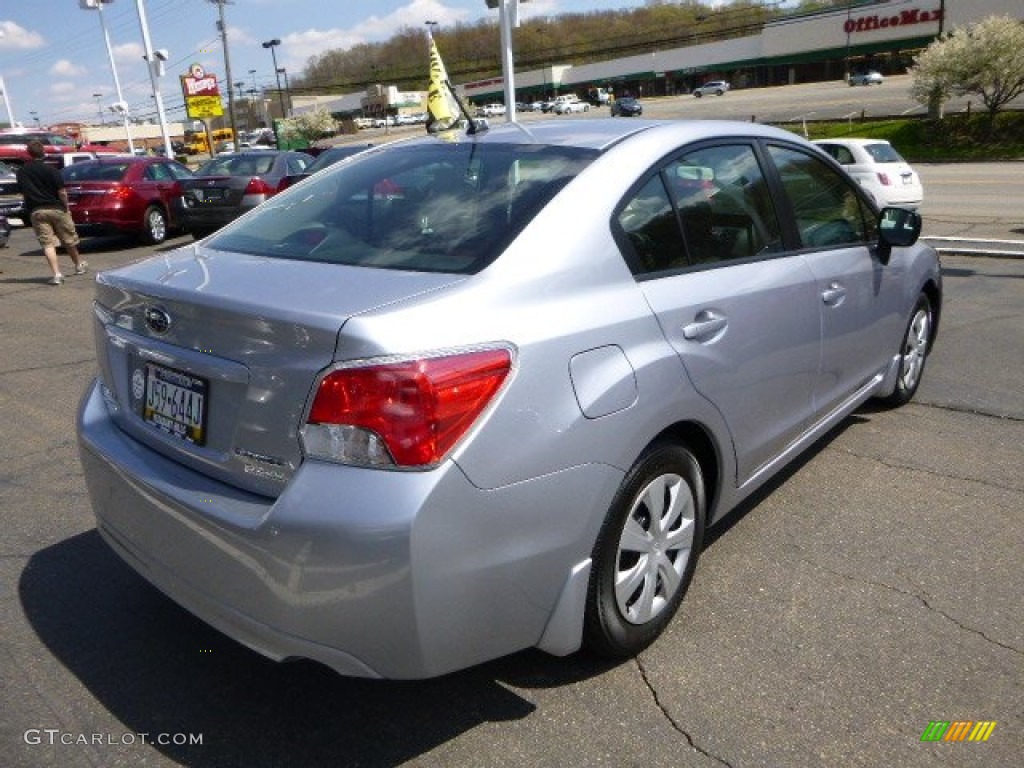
53	227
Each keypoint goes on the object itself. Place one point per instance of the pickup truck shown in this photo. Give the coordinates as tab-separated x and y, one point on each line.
14	146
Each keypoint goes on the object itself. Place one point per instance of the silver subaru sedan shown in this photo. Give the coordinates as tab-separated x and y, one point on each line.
463	395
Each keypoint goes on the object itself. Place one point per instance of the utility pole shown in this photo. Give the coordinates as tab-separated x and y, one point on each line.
222	27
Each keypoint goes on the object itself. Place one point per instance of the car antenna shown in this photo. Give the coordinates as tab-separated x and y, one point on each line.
474	126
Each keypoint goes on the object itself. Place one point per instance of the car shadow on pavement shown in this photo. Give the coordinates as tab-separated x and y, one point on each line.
158	669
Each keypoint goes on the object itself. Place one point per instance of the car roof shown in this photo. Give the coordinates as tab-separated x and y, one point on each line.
851	142
602	133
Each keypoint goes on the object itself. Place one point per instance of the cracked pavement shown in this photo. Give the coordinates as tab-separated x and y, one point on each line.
874	587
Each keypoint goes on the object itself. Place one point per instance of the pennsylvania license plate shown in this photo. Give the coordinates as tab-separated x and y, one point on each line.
175	402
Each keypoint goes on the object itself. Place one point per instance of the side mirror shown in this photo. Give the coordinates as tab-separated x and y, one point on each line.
897	228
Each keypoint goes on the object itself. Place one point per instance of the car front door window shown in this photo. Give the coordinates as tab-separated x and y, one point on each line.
826	206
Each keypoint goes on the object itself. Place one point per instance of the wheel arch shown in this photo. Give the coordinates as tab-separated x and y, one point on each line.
705	449
934	294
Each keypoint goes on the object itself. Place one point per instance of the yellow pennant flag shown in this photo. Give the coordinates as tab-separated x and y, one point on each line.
441	104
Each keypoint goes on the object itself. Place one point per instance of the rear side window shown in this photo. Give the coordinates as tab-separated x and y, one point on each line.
883	153
829	213
427	207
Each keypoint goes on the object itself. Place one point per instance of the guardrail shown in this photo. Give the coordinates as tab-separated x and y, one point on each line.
977	246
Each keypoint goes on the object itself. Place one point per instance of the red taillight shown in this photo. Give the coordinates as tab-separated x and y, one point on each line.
417	409
258	186
121	192
884	179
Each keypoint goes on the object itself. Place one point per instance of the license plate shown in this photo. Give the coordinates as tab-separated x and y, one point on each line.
175	402
211	194
908	179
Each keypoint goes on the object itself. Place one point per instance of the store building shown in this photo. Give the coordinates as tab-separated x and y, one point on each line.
810	47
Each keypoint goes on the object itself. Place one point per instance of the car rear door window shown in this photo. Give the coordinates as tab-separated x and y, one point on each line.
157	172
724	204
710	205
648	221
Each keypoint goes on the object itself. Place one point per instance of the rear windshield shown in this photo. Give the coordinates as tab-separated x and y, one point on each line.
427	207
883	153
238	165
95	171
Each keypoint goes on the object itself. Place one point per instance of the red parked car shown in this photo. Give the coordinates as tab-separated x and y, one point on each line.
124	194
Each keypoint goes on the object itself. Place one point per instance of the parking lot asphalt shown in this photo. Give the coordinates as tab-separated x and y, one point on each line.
874	588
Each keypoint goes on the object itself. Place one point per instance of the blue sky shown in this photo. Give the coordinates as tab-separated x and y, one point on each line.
53	57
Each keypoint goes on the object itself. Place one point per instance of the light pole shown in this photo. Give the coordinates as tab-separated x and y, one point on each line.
121	105
508	17
35	116
287	88
7	97
272	44
7	101
155	61
99	106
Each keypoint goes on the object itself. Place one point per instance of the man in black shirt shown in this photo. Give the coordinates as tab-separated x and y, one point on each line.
46	203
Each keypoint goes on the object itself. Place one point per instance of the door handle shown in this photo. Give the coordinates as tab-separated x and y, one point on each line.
833	295
706	323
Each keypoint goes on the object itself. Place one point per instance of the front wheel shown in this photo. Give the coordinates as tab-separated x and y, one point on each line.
646	552
913	353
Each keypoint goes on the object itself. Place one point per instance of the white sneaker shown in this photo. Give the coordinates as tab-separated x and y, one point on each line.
82	266
56	279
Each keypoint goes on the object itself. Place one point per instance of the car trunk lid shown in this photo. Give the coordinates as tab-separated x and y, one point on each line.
210	357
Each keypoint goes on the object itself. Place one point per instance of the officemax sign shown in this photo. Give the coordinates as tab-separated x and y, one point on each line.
880	21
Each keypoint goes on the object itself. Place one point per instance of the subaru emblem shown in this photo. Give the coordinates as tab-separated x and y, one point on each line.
157	320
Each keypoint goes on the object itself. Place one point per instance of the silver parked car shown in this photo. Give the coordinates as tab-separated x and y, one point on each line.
418	411
866	78
713	88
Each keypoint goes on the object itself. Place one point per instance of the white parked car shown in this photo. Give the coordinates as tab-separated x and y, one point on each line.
569	107
878	167
492	110
716	87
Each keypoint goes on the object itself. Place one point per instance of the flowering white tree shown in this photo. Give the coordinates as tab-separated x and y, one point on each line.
315	124
985	59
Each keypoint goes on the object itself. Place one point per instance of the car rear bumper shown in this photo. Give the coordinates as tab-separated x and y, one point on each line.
373	573
105	221
196	219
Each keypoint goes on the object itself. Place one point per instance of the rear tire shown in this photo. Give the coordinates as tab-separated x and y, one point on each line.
646	552
913	353
154	225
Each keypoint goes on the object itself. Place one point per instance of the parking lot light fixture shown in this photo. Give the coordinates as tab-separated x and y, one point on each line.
97	5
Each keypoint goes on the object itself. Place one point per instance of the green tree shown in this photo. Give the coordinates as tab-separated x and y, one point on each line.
985	59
